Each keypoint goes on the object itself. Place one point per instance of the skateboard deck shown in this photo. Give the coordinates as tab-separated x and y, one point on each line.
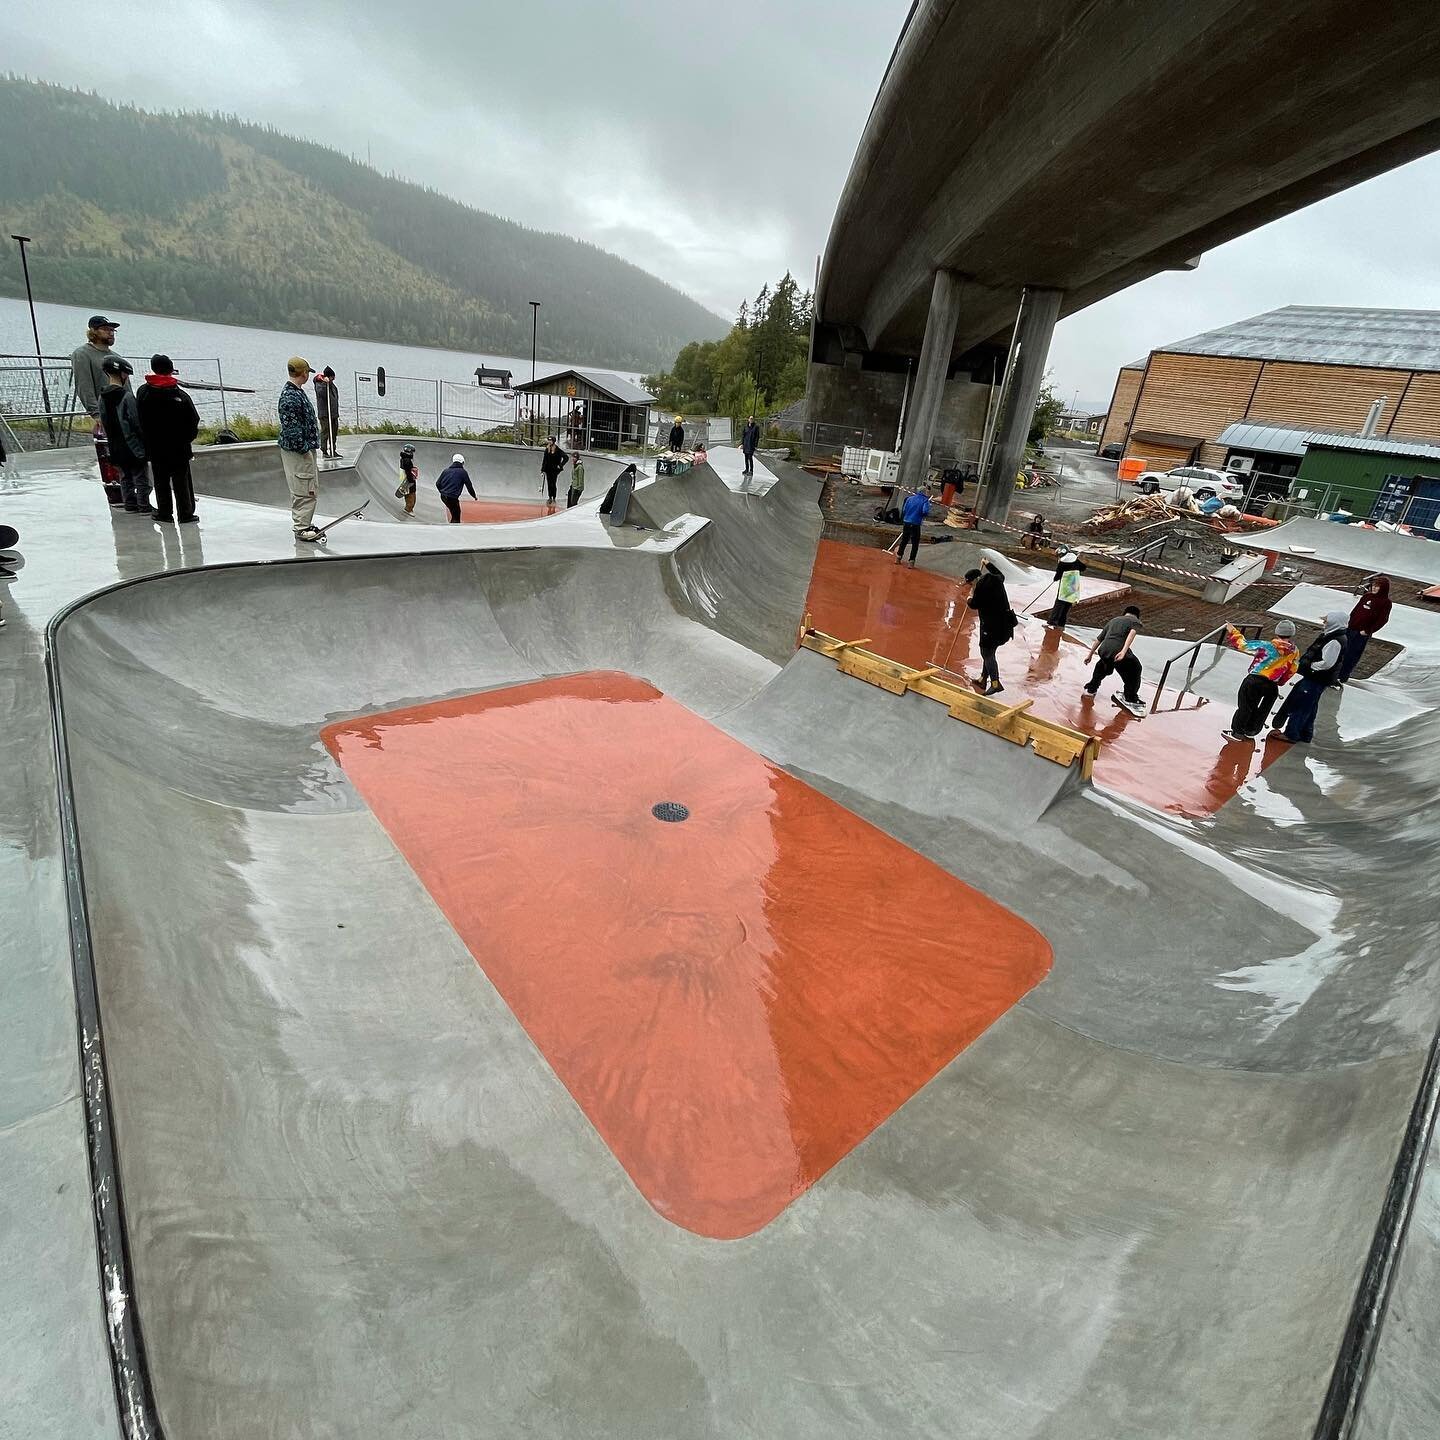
348	515
1138	711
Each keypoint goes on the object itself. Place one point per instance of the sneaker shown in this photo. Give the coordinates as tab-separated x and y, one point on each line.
309	535
980	685
995	689
1238	739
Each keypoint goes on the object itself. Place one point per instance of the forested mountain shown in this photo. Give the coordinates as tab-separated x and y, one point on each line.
217	219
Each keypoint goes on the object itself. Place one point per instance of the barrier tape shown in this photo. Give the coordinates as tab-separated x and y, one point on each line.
1100	554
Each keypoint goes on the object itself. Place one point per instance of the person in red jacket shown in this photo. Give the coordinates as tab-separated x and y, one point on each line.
1370	614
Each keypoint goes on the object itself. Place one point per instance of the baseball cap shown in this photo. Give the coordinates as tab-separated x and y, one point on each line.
295	364
457	459
99	322
116	366
1285	629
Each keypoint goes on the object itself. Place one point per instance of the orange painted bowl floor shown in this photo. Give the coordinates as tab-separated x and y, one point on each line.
731	1020
1174	760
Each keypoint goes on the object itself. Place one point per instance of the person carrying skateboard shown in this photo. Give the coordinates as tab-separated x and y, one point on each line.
552	461
1114	646
122	426
454	480
1275	663
409	476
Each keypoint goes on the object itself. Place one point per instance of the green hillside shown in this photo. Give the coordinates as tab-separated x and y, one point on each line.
216	219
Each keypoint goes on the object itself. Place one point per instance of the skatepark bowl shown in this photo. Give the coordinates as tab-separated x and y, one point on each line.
523	994
506	478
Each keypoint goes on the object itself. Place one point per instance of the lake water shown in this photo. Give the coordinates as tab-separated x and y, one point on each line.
255	359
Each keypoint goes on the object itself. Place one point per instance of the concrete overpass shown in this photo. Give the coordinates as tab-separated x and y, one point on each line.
1065	150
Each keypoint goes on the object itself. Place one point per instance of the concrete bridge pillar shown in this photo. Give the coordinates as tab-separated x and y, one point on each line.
924	408
1039	309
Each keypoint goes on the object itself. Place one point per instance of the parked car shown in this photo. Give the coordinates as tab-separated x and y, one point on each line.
1203	482
1113	451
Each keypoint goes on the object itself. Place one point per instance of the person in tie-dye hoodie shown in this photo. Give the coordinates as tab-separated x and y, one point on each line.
1274	664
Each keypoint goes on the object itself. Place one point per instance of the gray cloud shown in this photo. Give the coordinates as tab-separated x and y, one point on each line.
706	143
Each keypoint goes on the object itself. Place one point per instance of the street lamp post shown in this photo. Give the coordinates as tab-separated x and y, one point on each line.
534	332
22	241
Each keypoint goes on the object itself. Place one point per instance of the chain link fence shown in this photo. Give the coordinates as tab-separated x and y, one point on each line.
441	407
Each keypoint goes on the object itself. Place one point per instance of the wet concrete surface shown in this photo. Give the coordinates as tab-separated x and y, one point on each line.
359	1198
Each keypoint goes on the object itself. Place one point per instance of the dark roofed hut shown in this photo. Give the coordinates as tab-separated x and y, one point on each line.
615	412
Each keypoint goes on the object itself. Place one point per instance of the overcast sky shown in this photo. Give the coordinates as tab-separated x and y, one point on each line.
708	144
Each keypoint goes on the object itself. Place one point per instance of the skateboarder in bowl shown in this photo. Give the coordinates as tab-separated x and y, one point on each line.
454	479
552	461
409	475
1114	646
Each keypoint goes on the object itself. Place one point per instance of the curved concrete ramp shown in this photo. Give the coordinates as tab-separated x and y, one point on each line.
359	1199
1358	546
506	478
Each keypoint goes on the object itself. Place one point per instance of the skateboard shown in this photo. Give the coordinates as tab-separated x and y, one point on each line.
329	525
1138	711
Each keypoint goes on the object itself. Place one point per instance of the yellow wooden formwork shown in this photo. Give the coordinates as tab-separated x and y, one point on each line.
1013	722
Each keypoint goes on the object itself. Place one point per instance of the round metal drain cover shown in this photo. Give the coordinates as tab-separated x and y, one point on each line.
671	810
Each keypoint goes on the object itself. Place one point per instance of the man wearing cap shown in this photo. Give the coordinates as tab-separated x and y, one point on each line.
454	479
327	410
1274	665
299	440
170	422
123	438
86	365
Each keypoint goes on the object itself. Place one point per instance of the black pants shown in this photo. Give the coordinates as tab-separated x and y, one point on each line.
550	486
1253	703
172	479
572	499
452	504
909	535
1298	710
1128	668
749	462
1059	613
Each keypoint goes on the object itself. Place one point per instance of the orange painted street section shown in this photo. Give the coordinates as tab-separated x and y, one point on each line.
735	1000
496	512
1174	760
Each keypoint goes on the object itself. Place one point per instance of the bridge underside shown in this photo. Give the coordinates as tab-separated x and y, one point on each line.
1084	145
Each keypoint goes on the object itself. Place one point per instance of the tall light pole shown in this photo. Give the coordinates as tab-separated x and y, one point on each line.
534	332
22	241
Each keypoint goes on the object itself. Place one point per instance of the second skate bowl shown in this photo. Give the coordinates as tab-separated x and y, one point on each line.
506	478
361	1196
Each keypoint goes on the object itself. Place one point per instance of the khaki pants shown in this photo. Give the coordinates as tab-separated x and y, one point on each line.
302	474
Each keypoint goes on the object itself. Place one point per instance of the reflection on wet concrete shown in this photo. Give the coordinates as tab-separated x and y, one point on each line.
730	1019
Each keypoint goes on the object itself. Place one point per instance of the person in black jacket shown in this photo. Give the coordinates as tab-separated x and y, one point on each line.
453	482
124	438
1319	671
169	423
327	411
552	461
990	600
677	436
749	444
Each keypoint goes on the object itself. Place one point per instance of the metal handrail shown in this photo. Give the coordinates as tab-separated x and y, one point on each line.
1193	652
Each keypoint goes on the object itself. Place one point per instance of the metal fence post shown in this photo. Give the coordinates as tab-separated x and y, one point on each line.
220	377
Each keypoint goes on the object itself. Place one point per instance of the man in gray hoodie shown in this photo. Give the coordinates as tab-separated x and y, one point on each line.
1319	672
87	365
